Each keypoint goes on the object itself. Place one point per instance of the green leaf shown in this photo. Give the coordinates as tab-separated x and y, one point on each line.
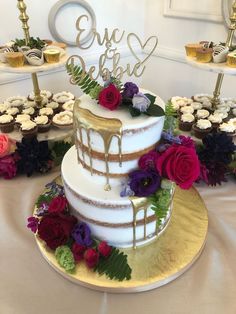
115	266
151	98
155	111
58	151
44	198
134	112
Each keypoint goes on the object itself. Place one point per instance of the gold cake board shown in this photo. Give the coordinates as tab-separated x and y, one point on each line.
159	262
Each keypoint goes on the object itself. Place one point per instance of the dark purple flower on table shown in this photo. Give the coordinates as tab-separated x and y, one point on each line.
169	137
33	223
82	234
216	173
125	189
130	89
144	182
187	141
204	174
42	209
148	161
8	167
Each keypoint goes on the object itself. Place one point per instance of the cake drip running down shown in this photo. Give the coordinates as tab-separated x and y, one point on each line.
106	128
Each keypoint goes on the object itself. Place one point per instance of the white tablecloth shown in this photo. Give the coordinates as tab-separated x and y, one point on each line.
28	285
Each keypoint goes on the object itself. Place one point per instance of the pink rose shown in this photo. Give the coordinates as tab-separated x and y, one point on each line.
8	167
7	146
179	164
110	97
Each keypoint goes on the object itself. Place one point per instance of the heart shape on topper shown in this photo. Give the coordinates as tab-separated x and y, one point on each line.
143	46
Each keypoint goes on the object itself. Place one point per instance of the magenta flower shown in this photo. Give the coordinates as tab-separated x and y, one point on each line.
8	167
33	223
148	161
187	141
144	182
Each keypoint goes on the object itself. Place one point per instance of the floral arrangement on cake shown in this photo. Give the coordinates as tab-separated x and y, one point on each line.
29	156
114	94
71	240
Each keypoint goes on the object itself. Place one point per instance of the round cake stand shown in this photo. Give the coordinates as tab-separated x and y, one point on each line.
158	263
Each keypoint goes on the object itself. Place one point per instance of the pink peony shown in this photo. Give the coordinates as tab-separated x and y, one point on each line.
8	167
179	164
7	146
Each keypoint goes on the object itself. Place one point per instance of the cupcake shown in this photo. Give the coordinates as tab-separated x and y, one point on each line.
191	49
229	128
186	122
224	115
207	104
46	112
3	108
196	105
30	111
63	97
202	97
52	55
44	93
6	123
13	112
63	119
20	118
29	104
186	109
204	55
29	129
68	106
202	114
215	120
234	112
16	101
202	128
43	123
54	106
231	59
15	59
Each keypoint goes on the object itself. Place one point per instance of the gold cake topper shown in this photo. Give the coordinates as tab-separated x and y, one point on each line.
112	54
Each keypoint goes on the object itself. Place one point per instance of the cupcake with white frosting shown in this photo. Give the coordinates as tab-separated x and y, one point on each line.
222	113
13	112
63	119
20	118
30	111
206	104
229	128
43	123
46	112
16	101
68	106
29	129
202	128
196	105
234	112
215	120
63	97
3	108
6	123
202	97
54	106
186	109
29	104
186	122
44	93
202	114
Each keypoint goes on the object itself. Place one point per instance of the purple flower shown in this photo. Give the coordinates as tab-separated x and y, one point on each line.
125	189
187	141
144	182
148	161
82	234
42	209
55	188
141	102
33	224
163	147
169	137
130	90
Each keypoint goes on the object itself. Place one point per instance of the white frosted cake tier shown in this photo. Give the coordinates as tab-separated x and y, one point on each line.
139	135
109	216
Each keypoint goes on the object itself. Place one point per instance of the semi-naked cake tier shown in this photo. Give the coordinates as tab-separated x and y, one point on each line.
108	145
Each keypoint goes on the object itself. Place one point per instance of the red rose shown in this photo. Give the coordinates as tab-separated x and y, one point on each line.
78	251
110	97
55	229
104	249
57	204
179	164
91	258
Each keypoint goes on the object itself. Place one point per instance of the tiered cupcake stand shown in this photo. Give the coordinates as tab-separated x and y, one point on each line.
220	68
52	134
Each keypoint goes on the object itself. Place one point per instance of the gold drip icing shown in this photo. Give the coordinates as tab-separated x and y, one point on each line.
139	204
107	128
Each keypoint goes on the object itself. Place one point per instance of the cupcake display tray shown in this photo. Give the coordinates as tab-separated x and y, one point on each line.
4	67
212	67
158	263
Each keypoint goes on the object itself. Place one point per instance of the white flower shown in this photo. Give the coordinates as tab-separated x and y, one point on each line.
141	102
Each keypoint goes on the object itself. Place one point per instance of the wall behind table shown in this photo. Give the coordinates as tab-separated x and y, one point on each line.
111	14
167	74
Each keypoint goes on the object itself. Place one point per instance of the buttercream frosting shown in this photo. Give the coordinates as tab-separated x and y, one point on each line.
4	107
202	114
46	111
63	97
22	118
28	125
188	117
43	93
69	105
227	127
16	101
41	120
203	124
13	111
29	111
6	118
63	118
187	109
215	118
53	105
196	105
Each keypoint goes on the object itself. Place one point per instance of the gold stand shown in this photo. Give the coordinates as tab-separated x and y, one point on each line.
24	19
216	94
